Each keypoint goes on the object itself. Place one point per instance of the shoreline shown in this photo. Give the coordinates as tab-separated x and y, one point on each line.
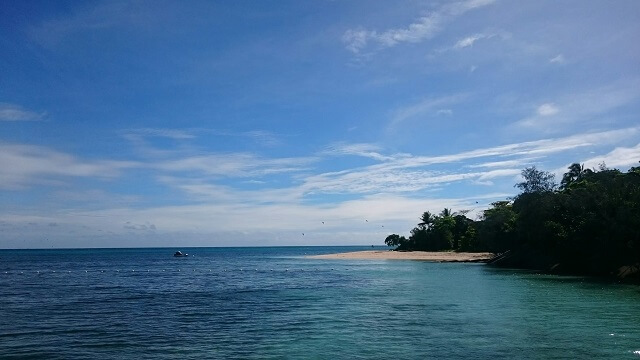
407	255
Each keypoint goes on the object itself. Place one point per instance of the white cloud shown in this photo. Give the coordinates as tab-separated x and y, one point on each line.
410	173
378	180
587	106
12	112
281	213
499	173
424	28
205	191
469	41
559	59
143	140
425	107
233	165
396	173
464	6
25	165
619	157
216	224
547	109
356	40
504	163
365	150
537	148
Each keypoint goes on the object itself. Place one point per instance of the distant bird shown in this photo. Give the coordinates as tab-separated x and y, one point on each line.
302	234
323	222
476	202
382	225
366	220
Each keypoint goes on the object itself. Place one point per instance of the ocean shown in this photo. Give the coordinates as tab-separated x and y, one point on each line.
274	303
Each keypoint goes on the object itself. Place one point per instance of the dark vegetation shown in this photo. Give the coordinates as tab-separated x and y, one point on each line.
588	224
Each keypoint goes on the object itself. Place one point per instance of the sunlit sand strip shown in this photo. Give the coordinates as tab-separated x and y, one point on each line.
409	255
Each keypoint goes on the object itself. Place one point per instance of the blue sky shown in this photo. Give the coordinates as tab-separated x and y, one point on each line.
201	123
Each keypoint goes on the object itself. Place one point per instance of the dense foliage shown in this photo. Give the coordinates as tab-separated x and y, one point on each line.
589	224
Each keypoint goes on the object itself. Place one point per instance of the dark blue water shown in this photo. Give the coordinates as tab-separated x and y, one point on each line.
273	303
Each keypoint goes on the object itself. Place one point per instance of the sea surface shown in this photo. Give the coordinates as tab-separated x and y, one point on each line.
274	303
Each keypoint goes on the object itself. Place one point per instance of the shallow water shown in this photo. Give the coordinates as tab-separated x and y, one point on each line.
273	303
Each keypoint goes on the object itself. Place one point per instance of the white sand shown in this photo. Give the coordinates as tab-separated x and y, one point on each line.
409	255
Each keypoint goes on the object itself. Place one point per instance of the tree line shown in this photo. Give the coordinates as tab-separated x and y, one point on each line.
587	224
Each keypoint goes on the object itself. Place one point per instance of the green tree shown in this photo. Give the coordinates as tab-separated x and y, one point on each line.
496	231
468	241
445	212
536	181
426	220
576	173
395	240
462	224
443	228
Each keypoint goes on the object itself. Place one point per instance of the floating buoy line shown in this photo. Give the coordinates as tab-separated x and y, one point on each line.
206	270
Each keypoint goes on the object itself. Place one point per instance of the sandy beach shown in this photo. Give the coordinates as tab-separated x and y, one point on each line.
409	255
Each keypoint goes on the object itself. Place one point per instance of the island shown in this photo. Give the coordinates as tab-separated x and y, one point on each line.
589	224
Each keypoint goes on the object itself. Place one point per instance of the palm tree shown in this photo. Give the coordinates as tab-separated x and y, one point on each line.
427	220
575	174
446	212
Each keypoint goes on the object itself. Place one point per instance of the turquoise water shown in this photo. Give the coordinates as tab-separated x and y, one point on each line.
273	303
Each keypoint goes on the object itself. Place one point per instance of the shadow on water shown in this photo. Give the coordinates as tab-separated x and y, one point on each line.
558	278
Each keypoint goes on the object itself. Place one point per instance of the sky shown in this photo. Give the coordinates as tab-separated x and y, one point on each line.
268	123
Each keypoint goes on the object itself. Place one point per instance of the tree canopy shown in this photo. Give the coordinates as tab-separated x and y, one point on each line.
589	224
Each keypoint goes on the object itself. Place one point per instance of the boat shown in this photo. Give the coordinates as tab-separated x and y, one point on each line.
180	254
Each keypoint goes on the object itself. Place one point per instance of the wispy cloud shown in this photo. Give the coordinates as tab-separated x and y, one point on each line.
384	193
581	107
559	59
234	165
547	109
365	150
143	138
393	174
470	40
505	163
426	107
375	180
617	158
424	28
284	221
12	112
412	173
25	165
204	191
